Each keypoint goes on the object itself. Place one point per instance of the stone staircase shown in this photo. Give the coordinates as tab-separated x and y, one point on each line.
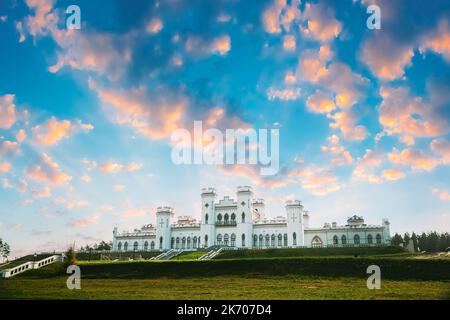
212	253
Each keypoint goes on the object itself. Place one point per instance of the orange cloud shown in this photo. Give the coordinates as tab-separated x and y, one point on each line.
345	121
53	131
341	156
5	167
7	111
416	159
42	193
221	45
47	170
438	40
443	195
9	148
289	43
113	167
21	136
155	26
442	148
82	223
393	174
319	102
317	181
365	166
321	24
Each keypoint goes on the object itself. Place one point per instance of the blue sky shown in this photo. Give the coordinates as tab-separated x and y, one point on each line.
86	115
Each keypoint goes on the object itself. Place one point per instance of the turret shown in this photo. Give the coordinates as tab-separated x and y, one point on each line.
386	232
295	229
208	220
259	208
306	219
244	215
163	216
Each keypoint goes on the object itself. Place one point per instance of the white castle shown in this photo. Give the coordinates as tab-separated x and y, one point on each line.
241	223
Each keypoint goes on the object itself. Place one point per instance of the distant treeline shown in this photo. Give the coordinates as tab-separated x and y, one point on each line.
102	246
430	242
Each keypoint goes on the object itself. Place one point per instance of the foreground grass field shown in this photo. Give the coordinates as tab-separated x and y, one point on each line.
228	287
338	277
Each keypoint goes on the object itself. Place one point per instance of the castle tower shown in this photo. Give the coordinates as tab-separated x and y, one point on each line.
259	208
295	229
386	231
163	231
244	217
305	219
208	221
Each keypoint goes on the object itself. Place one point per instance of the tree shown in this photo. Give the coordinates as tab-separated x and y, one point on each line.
103	246
5	250
415	242
396	240
71	256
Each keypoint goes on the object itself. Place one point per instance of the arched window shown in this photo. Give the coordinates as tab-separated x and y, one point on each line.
219	239
261	240
243	240
233	240
172	243
206	241
145	245
195	243
344	239
294	239
356	239
255	240
152	245
285	240
206	219
335	240
273	240
316	242
125	246
243	217
378	238
267	241
160	242
280	240
189	242
178	243
183	243
226	239
233	218
369	239
135	246
226	218
219	217
119	246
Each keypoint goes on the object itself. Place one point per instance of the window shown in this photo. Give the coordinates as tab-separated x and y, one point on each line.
261	239
294	239
243	240
219	239
145	245
178	243
316	242
233	240
356	239
152	245
172	243
344	239
206	219
206	240
255	240
273	240
280	240
195	243
369	239
378	238
285	240
233	217
135	246
219	217
125	246
183	243
119	246
189	242
243	217
160	242
226	218
335	240
267	240
226	239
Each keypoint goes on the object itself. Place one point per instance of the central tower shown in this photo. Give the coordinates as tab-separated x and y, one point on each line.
208	224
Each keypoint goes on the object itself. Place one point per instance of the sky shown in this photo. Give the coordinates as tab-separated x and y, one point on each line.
86	115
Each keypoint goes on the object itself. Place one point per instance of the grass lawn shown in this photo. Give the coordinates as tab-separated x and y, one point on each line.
223	287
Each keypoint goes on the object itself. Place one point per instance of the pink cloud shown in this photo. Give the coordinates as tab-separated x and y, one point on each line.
443	195
47	170
442	148
5	167
393	174
416	159
84	222
320	102
7	111
53	131
321	24
9	148
438	40
318	181
155	26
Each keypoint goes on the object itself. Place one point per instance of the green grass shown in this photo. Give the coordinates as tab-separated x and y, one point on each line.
96	256
195	255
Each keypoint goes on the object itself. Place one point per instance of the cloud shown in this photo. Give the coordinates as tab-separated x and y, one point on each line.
345	121
84	222
135	212
271	16
312	65
200	47
442	148
9	148
416	159
438	40
7	111
316	180
118	187
365	166
113	167
6	184
341	156
408	116
321	24
283	94
154	26
289	43
21	136
393	174
320	102
53	131
41	193
70	204
47	170
86	178
443	195
15	226
5	167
